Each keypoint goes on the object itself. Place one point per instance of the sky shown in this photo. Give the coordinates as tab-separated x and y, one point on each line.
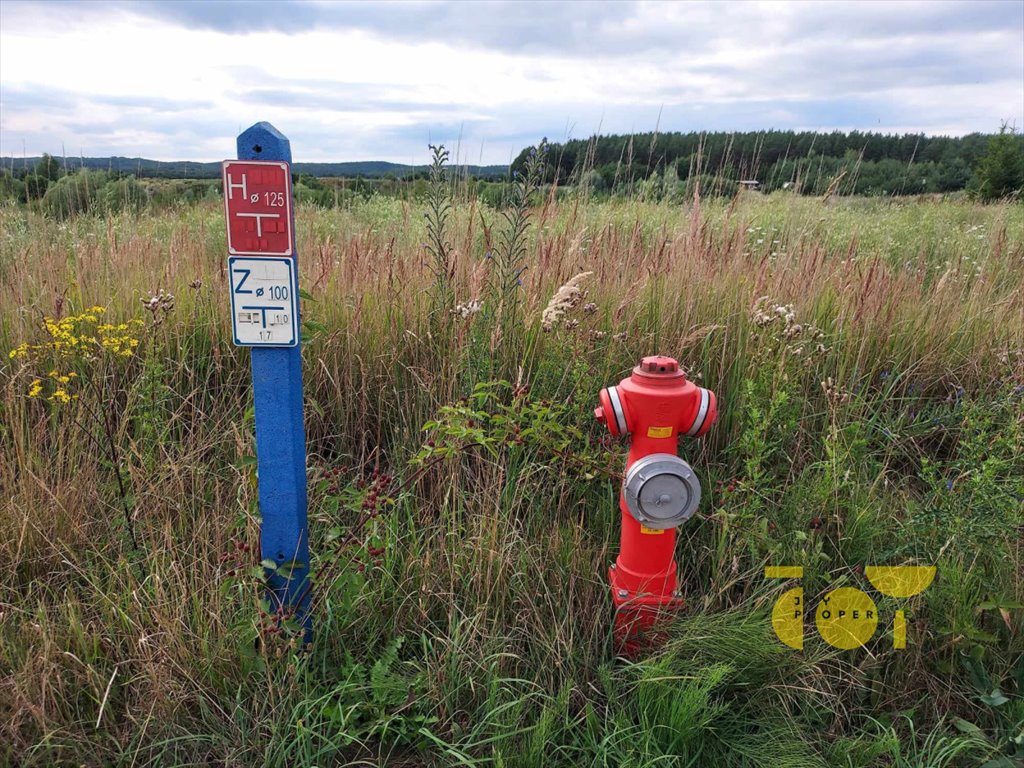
380	81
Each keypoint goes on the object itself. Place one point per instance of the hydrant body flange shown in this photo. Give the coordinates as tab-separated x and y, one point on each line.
654	406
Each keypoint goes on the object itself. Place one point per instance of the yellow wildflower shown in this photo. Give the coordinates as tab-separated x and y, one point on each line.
60	395
35	388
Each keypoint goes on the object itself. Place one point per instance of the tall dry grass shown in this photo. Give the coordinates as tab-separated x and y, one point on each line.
493	574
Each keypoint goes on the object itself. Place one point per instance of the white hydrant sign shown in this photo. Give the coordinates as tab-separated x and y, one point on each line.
264	301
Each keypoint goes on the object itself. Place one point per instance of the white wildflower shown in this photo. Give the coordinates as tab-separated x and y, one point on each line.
468	309
565	299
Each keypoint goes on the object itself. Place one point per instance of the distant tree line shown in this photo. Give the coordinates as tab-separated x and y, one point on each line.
62	192
992	166
62	189
186	169
669	166
51	188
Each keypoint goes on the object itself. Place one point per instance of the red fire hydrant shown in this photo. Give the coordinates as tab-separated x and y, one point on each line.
654	406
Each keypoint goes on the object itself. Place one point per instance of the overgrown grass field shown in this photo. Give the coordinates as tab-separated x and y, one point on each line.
868	358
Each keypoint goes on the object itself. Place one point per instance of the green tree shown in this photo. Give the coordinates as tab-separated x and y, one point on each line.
1001	170
49	167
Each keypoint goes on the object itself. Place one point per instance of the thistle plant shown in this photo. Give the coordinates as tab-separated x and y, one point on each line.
509	257
442	258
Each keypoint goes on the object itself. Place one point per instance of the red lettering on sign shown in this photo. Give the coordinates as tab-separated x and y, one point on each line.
258	208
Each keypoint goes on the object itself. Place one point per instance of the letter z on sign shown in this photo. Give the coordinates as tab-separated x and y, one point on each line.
258	208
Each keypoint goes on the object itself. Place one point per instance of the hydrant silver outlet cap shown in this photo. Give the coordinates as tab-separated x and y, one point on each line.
661	491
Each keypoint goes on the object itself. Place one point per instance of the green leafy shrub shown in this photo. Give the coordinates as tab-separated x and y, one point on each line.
74	194
126	194
11	188
35	187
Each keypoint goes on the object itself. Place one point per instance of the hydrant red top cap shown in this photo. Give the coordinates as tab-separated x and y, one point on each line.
660	367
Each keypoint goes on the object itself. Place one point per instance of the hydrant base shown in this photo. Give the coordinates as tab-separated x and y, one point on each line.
640	617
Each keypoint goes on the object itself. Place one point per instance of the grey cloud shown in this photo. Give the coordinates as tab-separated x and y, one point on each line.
493	140
341	97
856	69
844	60
582	28
153	103
34	95
884	21
506	26
188	126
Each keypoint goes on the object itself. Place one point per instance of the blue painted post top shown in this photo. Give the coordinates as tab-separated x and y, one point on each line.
263	141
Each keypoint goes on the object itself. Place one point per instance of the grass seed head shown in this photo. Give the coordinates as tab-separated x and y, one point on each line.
566	298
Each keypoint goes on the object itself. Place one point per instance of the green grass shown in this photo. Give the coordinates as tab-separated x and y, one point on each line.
467	622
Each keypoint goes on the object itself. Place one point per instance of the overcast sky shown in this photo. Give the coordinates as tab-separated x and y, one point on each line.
366	81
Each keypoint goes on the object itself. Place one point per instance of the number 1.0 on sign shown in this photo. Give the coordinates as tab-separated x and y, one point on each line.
264	302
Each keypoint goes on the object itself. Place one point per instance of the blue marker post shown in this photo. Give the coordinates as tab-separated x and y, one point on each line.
280	433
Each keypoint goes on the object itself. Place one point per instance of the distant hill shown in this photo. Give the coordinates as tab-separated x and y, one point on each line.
185	169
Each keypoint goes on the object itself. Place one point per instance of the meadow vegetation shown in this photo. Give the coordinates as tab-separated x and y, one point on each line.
868	357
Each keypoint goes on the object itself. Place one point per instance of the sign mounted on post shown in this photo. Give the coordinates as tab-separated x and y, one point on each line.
264	301
258	208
